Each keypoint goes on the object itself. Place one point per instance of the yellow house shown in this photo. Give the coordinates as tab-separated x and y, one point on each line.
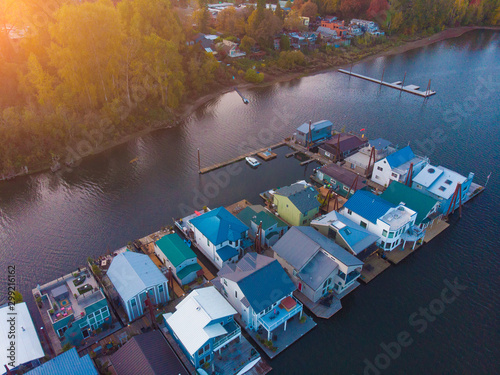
297	204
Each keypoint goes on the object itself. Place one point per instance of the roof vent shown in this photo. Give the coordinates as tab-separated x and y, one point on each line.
431	170
198	308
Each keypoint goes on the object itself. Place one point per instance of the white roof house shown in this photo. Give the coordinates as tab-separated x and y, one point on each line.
192	322
28	347
440	181
131	273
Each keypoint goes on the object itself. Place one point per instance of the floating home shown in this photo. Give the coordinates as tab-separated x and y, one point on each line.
341	146
313	133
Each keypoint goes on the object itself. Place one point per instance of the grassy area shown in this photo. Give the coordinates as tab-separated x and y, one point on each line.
84	289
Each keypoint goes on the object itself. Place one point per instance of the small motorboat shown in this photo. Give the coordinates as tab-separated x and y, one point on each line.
252	161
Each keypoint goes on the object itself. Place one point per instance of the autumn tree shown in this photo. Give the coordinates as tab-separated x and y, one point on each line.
309	9
263	25
353	8
293	22
377	9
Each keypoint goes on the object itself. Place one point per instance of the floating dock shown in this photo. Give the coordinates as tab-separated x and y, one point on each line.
241	157
398	85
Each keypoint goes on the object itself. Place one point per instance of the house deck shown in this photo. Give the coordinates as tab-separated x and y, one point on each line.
282	339
321	311
237	207
397	255
374	266
435	229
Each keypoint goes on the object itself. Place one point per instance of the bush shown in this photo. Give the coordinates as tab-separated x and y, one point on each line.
252	76
303	319
290	59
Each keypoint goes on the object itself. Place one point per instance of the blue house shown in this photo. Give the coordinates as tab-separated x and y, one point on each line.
220	235
319	131
441	183
68	362
203	324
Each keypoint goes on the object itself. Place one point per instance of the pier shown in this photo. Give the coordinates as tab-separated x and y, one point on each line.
241	157
398	85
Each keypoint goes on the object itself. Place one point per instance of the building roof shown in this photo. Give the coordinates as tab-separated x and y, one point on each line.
249	215
28	347
439	180
147	354
195	267
131	273
227	252
326	31
300	244
302	196
68	362
345	176
368	205
193	320
315	126
356	237
219	225
400	157
379	143
317	270
397	193
261	279
175	249
346	142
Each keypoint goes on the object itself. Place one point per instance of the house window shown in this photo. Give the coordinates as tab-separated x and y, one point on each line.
207	347
160	288
382	244
442	188
304	221
200	352
395	175
208	242
349	212
230	242
353	166
133	303
235	294
225	282
345	188
387	245
380	169
448	182
363	224
384	233
391	234
202	361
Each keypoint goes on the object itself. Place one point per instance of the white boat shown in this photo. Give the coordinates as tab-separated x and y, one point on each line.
252	161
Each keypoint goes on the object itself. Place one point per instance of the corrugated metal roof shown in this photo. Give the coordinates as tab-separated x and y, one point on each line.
368	205
347	142
175	249
303	197
296	248
68	362
195	267
317	270
220	225
147	354
379	143
131	273
315	126
227	252
397	192
400	157
248	215
345	176
28	347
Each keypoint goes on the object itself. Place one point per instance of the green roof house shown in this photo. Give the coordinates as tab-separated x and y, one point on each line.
273	228
297	204
175	253
425	206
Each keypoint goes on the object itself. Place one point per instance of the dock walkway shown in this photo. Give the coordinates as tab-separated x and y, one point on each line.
412	89
321	311
374	266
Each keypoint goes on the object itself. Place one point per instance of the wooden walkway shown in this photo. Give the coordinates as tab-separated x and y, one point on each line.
178	351
235	208
238	158
208	275
412	89
397	255
435	229
374	266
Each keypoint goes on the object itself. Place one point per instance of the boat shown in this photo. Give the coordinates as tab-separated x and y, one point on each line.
252	161
133	160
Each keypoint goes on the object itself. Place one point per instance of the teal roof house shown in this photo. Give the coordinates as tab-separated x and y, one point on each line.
219	235
178	256
76	307
261	291
424	205
273	228
309	133
135	278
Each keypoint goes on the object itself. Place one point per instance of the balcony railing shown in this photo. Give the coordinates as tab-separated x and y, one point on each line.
273	319
222	340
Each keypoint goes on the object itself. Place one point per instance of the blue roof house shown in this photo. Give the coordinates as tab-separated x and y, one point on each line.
68	362
135	278
308	132
219	235
393	224
395	167
261	291
441	183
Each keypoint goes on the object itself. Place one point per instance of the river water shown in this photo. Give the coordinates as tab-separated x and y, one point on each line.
50	223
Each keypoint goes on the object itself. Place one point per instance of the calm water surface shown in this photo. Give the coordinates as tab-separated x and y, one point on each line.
50	224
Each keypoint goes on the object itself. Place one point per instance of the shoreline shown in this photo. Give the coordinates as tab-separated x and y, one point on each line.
188	109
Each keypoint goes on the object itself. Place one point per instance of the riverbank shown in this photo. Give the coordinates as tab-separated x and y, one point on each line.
366	54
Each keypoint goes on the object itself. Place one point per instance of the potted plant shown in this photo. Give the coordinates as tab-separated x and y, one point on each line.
51	311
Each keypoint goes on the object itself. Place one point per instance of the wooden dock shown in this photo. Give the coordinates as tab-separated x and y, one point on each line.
318	309
397	255
398	85
435	229
374	266
238	158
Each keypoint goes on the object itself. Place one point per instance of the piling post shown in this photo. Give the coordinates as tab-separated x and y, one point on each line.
428	89
381	79
199	162
350	71
402	85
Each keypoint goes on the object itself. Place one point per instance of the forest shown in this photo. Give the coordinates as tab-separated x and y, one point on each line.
96	71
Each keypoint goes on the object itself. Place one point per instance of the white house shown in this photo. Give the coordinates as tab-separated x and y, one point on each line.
135	278
393	224
396	166
219	235
261	291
